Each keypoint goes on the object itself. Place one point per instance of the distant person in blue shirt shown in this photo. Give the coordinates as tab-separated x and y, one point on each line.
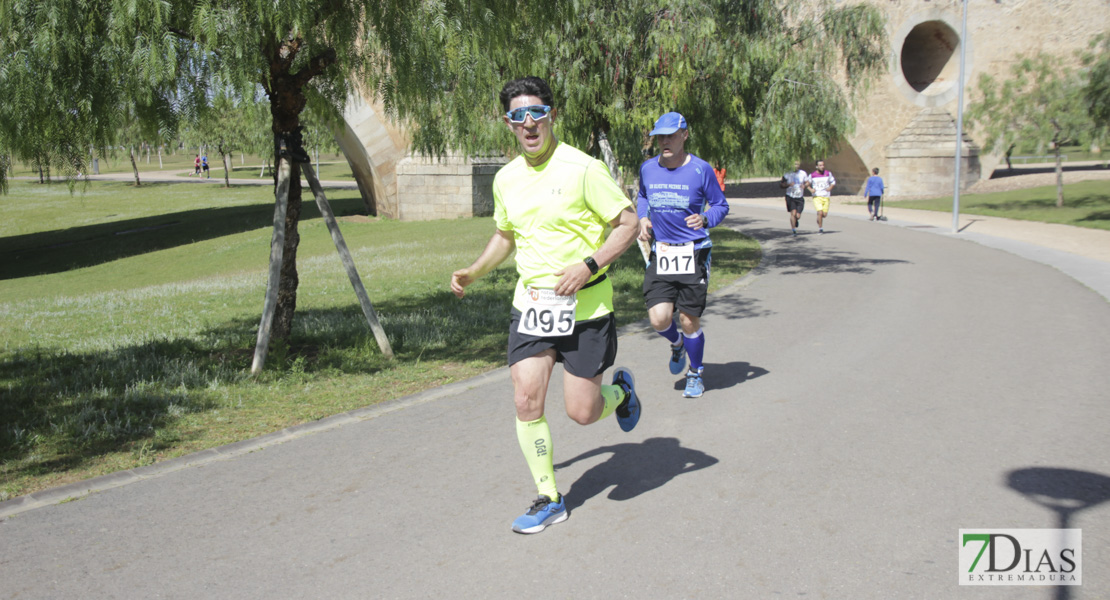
679	200
874	192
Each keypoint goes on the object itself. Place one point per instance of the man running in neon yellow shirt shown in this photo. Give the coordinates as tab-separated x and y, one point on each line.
552	204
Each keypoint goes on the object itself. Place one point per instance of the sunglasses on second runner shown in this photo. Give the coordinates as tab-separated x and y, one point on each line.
519	115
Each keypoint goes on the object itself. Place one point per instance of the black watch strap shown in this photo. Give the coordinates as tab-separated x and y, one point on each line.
591	264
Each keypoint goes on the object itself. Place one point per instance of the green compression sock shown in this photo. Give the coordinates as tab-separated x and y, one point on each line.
535	442
612	395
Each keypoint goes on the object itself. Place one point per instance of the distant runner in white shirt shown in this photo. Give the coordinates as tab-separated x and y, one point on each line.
794	184
821	183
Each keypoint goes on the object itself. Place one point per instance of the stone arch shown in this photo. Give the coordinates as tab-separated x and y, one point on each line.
927	51
847	166
373	147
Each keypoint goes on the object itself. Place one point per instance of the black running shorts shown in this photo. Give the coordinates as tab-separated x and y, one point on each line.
585	352
795	204
687	292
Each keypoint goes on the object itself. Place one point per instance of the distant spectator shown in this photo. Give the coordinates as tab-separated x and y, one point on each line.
719	171
874	192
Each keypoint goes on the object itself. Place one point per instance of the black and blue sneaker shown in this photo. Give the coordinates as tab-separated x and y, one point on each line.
628	412
678	359
543	512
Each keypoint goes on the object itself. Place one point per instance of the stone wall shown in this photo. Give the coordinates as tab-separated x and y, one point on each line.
447	188
922	158
923	74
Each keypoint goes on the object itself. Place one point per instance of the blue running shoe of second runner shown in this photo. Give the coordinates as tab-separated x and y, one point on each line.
543	512
678	359
628	413
695	387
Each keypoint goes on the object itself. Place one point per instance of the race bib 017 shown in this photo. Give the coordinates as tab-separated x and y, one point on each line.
674	259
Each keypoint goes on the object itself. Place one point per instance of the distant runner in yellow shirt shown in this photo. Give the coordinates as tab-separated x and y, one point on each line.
821	182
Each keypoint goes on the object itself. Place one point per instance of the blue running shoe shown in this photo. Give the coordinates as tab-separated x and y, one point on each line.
678	359
543	512
628	413
695	387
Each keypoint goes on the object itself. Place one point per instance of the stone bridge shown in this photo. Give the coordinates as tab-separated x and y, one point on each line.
906	124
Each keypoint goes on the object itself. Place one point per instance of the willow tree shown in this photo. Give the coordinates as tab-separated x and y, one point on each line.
68	66
760	81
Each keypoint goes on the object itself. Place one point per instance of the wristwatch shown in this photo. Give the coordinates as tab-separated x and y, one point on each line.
591	264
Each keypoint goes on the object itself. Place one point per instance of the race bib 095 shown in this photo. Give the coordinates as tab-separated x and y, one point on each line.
546	314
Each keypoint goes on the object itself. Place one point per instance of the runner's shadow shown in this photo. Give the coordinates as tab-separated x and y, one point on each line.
723	376
633	469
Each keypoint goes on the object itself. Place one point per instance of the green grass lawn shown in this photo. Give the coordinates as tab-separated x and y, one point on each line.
129	319
1086	204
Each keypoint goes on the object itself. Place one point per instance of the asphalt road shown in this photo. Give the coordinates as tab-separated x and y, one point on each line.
871	391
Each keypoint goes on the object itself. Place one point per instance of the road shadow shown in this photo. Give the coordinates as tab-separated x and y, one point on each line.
804	254
62	250
769	189
721	376
970	222
736	306
633	469
1065	492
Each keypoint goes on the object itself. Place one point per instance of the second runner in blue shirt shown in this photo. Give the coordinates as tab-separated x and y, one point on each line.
679	200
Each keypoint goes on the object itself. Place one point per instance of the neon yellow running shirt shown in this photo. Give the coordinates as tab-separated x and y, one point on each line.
558	214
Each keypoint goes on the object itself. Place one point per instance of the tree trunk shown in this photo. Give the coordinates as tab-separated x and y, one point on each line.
285	90
134	167
610	158
615	172
227	169
287	100
287	288
160	167
1059	179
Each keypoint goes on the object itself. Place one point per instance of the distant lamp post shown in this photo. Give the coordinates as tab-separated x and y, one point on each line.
960	122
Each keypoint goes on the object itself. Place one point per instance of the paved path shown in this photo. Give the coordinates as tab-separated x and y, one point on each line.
872	390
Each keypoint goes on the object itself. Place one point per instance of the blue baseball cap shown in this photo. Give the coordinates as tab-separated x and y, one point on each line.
668	123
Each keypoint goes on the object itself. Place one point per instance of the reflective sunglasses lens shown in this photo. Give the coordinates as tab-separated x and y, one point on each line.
538	112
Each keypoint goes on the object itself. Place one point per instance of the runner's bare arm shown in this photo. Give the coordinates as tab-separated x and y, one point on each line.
625	229
500	246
